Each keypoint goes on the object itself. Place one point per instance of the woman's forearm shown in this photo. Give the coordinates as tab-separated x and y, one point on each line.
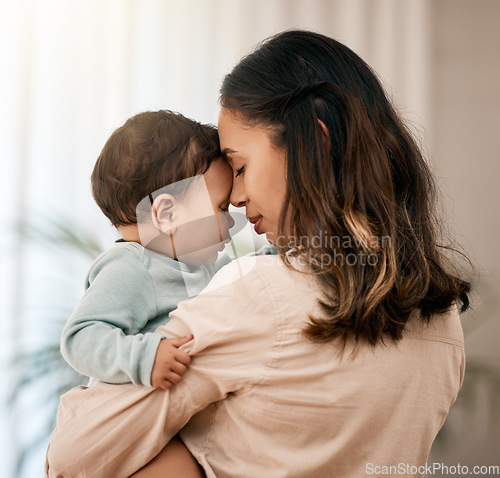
108	430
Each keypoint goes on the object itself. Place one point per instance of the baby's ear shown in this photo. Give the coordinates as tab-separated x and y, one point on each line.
163	213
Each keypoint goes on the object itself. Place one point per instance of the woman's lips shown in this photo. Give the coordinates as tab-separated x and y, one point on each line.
256	221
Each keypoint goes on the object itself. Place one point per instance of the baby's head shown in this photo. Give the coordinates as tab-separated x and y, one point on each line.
161	176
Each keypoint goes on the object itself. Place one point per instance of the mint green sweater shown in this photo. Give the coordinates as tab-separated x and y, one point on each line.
130	291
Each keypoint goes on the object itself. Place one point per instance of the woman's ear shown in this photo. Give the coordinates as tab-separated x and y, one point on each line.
163	213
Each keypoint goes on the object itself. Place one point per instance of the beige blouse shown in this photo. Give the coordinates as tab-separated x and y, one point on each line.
261	400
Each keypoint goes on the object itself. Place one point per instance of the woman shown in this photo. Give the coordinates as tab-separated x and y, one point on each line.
337	357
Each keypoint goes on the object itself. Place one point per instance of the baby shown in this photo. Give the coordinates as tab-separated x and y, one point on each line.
161	181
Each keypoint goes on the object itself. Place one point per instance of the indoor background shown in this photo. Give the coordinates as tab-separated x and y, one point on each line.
74	70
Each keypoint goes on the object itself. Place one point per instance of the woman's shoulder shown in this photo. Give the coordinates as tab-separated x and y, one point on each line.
248	269
445	328
265	281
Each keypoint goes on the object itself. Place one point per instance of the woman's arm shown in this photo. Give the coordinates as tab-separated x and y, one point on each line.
113	430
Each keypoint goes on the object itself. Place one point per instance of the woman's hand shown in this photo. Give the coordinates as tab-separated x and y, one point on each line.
170	362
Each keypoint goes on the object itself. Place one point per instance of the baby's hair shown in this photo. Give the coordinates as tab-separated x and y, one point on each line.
151	150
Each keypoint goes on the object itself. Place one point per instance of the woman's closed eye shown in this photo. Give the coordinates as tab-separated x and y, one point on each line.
240	171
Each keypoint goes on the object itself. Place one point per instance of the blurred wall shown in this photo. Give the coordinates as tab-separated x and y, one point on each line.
464	147
464	144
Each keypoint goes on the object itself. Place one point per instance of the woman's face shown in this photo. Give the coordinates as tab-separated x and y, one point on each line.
259	172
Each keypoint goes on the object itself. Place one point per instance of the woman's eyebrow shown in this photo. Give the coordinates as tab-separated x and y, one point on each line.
225	153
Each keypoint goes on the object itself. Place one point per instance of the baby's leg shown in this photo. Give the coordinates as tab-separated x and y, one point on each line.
174	461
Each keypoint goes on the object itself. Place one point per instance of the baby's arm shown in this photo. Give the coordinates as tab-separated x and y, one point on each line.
101	338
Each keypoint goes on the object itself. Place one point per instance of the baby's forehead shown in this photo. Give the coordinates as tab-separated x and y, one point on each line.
219	168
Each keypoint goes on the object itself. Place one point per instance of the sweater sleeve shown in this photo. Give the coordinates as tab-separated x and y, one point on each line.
101	338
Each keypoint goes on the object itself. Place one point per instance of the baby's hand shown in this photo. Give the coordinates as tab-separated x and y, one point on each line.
170	362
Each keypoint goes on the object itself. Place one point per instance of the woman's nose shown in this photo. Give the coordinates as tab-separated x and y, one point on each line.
238	196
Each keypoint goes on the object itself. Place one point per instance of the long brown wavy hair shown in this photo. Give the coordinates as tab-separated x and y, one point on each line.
358	188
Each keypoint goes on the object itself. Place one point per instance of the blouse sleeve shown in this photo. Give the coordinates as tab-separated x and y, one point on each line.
232	346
